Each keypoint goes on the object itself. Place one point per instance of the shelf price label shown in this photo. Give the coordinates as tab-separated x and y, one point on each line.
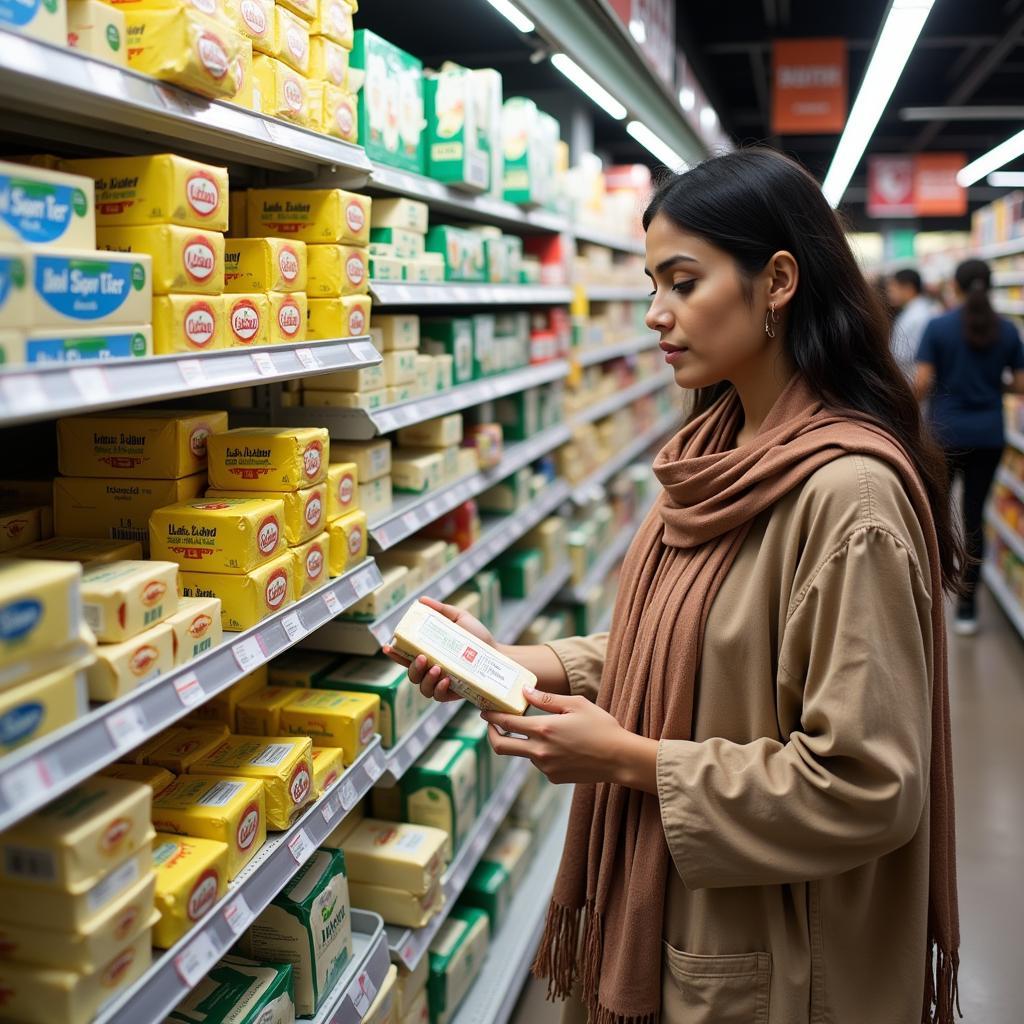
249	653
333	604
331	808
362	993
27	781
362	584
192	964
90	381
192	372
293	628
375	766
127	727
348	795
24	393
300	847
189	690
238	915
264	364
308	358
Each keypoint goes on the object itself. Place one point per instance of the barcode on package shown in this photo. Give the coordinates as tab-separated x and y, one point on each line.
272	755
220	793
35	865
128	533
117	881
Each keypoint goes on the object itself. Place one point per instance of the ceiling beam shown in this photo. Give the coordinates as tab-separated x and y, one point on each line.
993	113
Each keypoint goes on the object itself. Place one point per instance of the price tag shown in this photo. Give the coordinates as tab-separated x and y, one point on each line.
24	393
362	992
333	604
330	808
363	350
374	768
192	964
27	781
127	727
411	521
189	690
192	372
238	915
300	847
308	358
264	364
292	626
362	584
249	653
348	794
447	584
90	381
434	506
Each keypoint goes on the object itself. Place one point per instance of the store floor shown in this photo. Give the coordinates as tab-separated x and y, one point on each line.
987	697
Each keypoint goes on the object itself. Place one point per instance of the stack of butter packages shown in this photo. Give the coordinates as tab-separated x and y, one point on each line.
26	515
398	243
60	298
454	958
76	902
371	462
98	29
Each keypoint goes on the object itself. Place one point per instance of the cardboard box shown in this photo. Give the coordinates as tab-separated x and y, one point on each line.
191	876
23	526
248	599
455	146
43	207
457	950
54	345
265	265
268	458
453	337
249	990
97	30
463	252
189	323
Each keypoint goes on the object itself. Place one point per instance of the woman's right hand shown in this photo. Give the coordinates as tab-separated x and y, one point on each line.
428	677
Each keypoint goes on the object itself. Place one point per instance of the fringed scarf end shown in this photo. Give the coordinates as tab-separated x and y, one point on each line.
556	955
602	1015
942	986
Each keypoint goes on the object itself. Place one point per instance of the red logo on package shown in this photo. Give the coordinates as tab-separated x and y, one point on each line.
314	563
117	968
355	541
277	588
354	217
312	459
367	729
299	787
314	511
268	536
356	322
200	259
153	592
213	55
288	264
346	490
293	94
355	270
197	440
469	654
202	193
254	17
204	892
200	325
245	321
248	826
114	834
143	659
199	625
289	317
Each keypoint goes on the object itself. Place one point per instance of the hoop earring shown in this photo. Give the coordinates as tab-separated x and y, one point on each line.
770	319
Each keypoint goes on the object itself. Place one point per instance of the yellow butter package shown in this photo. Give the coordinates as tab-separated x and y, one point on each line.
122	667
305	511
255	20
185	260
196	626
328	766
134	191
260	714
220	535
184	47
328	61
283	764
98	30
349	542
337	270
310	215
284	92
311	562
348	317
397	906
231	811
249	599
121	599
244	79
288	315
41	604
221	707
191	876
333	111
188	323
182	750
265	265
291	39
156	778
43	704
75	840
268	458
333	718
20	527
248	320
342	489
334	20
400	856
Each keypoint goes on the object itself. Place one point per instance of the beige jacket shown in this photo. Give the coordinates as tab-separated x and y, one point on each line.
797	816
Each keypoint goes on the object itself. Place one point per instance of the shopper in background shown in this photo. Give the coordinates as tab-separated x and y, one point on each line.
961	363
762	826
914	309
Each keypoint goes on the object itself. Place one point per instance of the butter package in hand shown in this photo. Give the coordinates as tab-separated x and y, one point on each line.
161	189
43	207
400	703
336	271
440	789
121	599
342	489
248	320
305	511
40	606
239	991
284	92
349	542
328	767
311	563
283	764
98	30
122	667
347	317
219	535
310	215
455	955
478	672
189	323
196	627
268	458
247	599
229	810
84	287
42	704
288	315
397	906
185	260
397	855
333	719
191	876
265	265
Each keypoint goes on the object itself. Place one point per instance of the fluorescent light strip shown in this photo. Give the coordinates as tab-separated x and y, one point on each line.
513	14
1006	179
896	41
657	146
597	92
992	160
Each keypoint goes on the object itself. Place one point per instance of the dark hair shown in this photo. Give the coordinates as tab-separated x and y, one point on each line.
754	202
909	276
980	322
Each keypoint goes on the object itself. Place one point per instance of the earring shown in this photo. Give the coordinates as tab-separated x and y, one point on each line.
770	319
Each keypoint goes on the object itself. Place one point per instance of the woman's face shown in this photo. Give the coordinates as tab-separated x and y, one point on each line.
710	330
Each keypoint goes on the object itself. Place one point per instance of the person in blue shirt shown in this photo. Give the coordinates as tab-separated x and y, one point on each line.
966	360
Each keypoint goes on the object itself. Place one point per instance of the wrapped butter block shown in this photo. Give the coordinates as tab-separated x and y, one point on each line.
121	599
345	720
400	703
83	287
156	778
239	990
231	811
404	214
328	767
398	331
268	458
163	444
308	925
20	527
189	323
219	535
457	950
85	550
283	91
255	20
403	393
396	583
185	260
347	317
161	189
222	707
411	858
440	789
416	471
471	730
305	511
328	61
283	764
291	37
43	704
366	378
310	215
511	849
98	30
300	667
334	20
311	563
368	400
404	244
375	497
338	270
428	556
242	73
191	876
398	907
349	542
260	713
439	433
419	1009
185	748
288	313
245	599
489	889
248	320
122	667
410	985
43	207
372	459
334	111
399	367
265	265
73	842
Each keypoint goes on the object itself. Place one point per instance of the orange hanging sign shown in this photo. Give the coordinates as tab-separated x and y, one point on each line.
809	86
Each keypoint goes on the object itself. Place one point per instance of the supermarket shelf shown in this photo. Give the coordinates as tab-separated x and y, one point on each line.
411	512
1004	476
182	967
408	945
1011	307
499	984
1002	593
622	398
517	614
1013	540
616	293
92	102
351	997
1015	438
606	561
498	534
33	776
621	243
43	391
994	249
359	424
602	353
1007	278
451	294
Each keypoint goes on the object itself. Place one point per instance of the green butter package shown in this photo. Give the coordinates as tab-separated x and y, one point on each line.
485	349
450	336
470	729
455	957
489	889
239	991
456	146
463	252
440	789
520	572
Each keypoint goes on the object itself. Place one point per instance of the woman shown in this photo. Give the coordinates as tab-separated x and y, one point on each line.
960	364
762	827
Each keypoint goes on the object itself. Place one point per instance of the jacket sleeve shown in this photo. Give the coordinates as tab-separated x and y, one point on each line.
847	786
582	657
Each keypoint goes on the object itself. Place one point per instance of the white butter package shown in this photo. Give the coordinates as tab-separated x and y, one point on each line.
196	627
121	599
122	667
97	29
82	287
47	208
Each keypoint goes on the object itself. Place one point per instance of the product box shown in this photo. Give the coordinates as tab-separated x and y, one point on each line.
328	61
402	393
428	556
460	527
189	323
469	728
54	345
42	704
375	497
308	925
299	667
400	704
398	907
520	572
368	400
42	207
283	91
328	767
347	317
489	889
397	582
242	991
185	260
196	627
455	957
40	607
406	214
439	433
310	215
529	143
288	314
265	265
97	30
463	252
349	542
311	564
338	270
16	277
156	778
121	599
387	268
371	458
440	788
397	330
342	489
456	148
396	242
81	287
511	494
411	858
481	674
366	378
122	667
450	336
332	719
268	458
191	876
305	511
416	471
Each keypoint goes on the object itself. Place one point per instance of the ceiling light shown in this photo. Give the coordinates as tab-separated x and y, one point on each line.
900	30
1006	179
598	93
687	98
638	30
992	160
708	118
516	16
657	146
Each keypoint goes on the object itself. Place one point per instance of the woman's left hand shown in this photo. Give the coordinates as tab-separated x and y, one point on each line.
576	742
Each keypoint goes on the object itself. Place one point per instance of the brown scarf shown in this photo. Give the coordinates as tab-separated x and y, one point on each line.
604	926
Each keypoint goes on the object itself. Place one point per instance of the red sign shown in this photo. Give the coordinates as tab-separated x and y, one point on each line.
808	86
891	186
916	186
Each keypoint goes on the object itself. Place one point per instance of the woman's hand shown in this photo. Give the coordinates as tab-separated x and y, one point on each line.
576	742
428	677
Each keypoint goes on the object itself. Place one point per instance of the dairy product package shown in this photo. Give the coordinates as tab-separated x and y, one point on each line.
283	764
398	907
429	556
40	607
310	215
406	214
334	20
189	323
283	91
191	876
160	189
98	30
81	287
328	61
309	925
375	496
397	581
338	270
440	789
399	368
368	400
43	703
20	527
122	667
255	20
328	767
85	550
185	748
396	855
365	378
372	459
121	599
331	719
245	599
478	672
247	318
242	73
156	778
416	471
383	1009
334	111
185	260
196	627
312	561
347	317
219	535
43	207
260	713
419	1008
349	542
455	957
397	331
511	849
239	991
222	707
469	728
268	458
288	312
342	489
439	433
265	265
410	985
300	667
291	38
489	889
229	810
305	511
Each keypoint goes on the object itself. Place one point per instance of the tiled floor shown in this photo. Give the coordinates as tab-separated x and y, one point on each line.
987	695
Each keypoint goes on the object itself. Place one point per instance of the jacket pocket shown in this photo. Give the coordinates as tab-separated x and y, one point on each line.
731	989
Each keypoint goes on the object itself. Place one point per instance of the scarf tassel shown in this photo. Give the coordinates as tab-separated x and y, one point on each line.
942	986
556	955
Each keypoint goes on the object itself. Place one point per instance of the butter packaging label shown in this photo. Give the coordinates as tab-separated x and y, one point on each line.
121	599
231	811
440	789
219	535
349	542
265	265
347	317
310	215
311	563
400	703
338	270
15	279
40	607
191	876
396	906
288	315
189	323
185	260
342	489
196	627
185	748
245	599
332	719
403	214
164	189
260	714
283	91
122	667
43	207
328	766
371	458
42	704
77	287
305	511
397	855
241	990
455	957
82	549
248	320
268	458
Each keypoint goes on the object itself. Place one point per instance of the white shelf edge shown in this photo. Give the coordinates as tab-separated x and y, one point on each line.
613	403
454	293
608	239
592	355
997	586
